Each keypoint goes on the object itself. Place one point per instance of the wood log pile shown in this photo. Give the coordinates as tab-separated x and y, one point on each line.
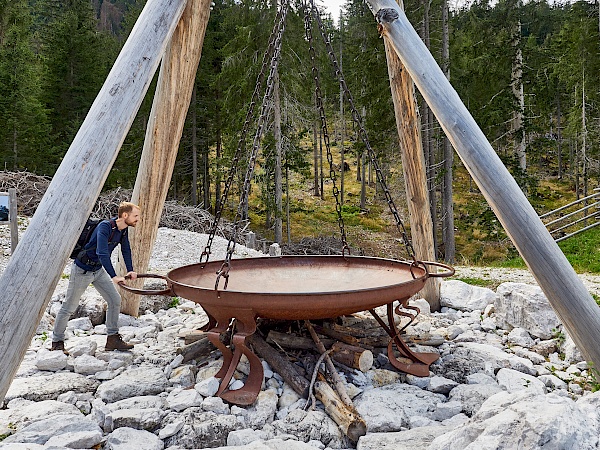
311	356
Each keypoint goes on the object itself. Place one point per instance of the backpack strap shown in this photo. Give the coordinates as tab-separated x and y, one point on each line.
113	228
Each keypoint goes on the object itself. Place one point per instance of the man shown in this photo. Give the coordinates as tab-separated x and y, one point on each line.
93	265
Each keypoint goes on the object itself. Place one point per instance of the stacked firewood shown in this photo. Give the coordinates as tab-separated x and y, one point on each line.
309	357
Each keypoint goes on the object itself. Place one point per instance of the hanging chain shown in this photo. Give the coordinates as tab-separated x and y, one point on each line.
363	134
321	108
279	19
265	107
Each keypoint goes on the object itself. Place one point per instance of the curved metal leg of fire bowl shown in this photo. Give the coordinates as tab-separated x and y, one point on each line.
245	325
414	363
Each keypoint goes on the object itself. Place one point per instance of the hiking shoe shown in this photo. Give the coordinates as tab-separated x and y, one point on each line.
59	345
116	342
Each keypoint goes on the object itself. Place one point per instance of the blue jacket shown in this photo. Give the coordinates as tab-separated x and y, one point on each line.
99	248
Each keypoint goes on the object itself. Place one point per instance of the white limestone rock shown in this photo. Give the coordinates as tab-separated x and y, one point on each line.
447	410
520	336
311	425
183	376
208	387
524	419
552	382
88	365
132	383
201	429
531	356
82	347
512	381
243	437
520	305
40	431
273	444
387	408
23	413
187	398
459	295
288	397
80	323
414	439
441	385
49	387
215	405
472	396
51	361
138	418
570	350
129	438
263	410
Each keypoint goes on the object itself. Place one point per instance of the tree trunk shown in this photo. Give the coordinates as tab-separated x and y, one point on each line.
321	173
363	184
315	158
570	299
169	110
194	151
517	88
205	176
31	275
447	200
342	121
559	135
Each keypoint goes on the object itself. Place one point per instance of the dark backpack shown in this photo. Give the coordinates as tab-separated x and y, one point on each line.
86	234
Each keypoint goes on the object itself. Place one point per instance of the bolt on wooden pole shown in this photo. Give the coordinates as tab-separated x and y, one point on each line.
33	271
568	296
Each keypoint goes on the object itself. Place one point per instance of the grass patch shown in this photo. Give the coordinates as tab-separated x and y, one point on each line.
474	281
582	251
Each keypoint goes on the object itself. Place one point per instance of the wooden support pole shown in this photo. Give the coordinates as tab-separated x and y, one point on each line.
29	280
167	118
568	296
413	165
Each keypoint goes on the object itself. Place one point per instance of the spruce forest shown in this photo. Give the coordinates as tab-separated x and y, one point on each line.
529	73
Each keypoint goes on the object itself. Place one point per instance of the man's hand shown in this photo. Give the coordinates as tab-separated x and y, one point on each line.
118	279
131	275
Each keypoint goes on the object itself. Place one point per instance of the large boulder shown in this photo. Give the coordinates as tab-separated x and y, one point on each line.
520	305
133	383
525	419
49	387
73	429
464	297
415	439
201	429
388	408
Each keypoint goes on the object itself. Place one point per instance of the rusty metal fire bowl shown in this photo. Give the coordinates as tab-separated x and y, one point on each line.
295	288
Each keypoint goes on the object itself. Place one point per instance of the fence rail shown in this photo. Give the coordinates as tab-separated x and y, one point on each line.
573	218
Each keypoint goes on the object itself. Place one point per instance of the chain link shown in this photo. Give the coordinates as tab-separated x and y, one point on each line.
265	107
363	134
321	108
278	24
